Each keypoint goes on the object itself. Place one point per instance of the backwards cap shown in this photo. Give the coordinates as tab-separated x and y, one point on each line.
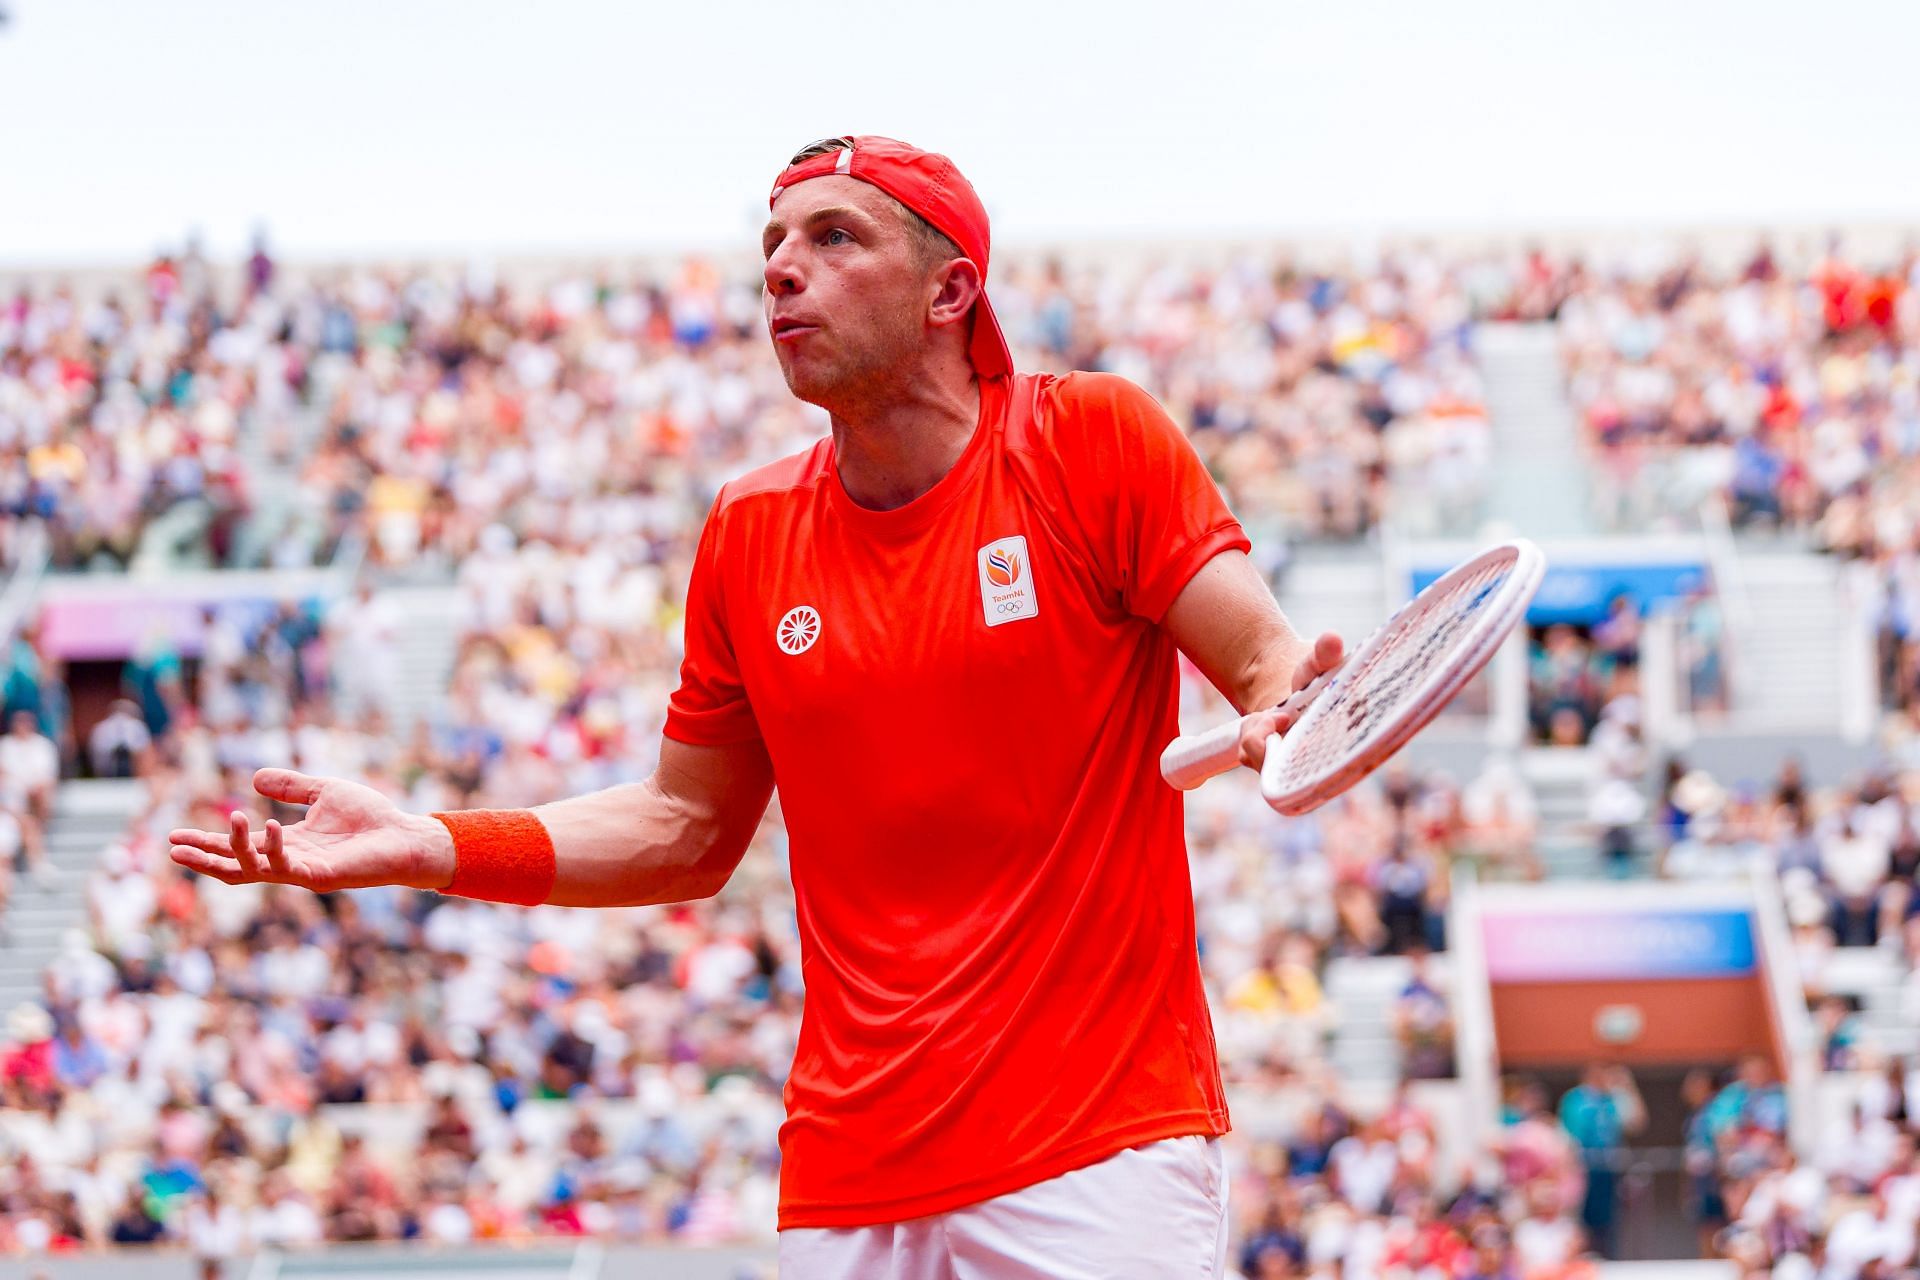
932	186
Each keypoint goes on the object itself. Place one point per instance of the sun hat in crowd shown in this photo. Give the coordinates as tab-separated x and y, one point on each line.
29	1024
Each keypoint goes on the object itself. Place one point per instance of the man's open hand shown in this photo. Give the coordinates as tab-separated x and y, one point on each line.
352	837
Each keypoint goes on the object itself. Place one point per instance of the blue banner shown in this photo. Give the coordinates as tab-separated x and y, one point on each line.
1581	593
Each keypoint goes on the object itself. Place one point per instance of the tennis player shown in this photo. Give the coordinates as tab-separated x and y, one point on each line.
949	633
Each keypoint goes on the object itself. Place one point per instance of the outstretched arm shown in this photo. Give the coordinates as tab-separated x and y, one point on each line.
1226	620
676	836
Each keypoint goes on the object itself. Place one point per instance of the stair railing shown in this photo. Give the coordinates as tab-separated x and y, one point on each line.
1736	606
16	598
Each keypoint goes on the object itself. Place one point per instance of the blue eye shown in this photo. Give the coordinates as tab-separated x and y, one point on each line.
844	237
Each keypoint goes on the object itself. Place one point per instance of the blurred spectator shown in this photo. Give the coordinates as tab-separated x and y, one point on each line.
133	1224
1423	1023
364	633
29	771
118	743
1565	687
1599	1113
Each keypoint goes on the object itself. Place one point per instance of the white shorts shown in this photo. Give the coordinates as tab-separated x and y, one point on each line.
1157	1211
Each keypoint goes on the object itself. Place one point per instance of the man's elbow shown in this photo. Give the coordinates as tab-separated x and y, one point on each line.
706	882
665	886
707	866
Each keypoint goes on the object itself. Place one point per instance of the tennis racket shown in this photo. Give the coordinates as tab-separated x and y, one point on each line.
1394	684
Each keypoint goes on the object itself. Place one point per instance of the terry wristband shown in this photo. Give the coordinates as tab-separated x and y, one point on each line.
500	855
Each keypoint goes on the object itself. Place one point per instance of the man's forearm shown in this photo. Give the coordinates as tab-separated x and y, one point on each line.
1228	623
635	844
675	837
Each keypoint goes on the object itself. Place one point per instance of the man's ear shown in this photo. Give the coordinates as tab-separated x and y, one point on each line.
956	286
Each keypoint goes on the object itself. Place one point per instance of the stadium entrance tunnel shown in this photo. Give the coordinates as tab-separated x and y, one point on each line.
1618	1009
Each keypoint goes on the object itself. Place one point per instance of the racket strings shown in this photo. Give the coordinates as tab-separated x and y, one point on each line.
1370	697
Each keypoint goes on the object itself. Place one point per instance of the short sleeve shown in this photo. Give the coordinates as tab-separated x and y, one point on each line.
710	708
1153	514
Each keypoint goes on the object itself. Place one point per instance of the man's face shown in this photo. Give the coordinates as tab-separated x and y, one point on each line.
845	295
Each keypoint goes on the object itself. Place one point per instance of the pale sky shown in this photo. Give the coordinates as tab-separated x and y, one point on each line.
361	127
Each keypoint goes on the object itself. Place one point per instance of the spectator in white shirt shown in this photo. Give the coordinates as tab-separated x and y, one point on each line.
283	1217
30	764
1865	1236
25	803
122	899
118	744
1363	1166
1545	1240
216	1230
1855	865
364	633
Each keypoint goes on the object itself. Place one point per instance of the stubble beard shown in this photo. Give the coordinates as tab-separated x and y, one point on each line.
857	378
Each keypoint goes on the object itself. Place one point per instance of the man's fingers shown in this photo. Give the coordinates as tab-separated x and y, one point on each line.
277	849
225	870
207	841
1328	650
1254	732
286	785
243	851
1327	653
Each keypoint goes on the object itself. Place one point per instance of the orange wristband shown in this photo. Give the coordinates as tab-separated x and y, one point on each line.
500	855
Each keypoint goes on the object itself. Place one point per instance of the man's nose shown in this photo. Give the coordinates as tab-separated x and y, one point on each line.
782	273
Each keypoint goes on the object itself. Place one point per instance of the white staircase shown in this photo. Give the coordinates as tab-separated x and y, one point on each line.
88	815
1878	979
279	501
1562	779
428	643
1793	648
1364	989
1335	591
1538	481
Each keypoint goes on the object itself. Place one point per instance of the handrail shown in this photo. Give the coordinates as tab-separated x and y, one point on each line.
1859	672
1786	1007
1476	1048
24	581
1730	583
348	555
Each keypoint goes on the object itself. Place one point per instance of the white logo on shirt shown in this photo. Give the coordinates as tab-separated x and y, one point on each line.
798	630
1006	581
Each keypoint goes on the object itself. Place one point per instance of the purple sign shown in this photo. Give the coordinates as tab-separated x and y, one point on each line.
1573	946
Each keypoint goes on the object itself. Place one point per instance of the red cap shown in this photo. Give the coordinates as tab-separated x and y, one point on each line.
932	186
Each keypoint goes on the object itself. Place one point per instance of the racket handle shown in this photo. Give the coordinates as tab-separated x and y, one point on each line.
1191	759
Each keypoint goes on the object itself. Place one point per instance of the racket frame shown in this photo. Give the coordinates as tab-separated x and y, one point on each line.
1435	689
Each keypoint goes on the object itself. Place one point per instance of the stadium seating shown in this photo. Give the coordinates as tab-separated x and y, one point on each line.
521	468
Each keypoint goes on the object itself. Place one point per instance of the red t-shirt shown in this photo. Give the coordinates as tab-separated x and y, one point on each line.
964	700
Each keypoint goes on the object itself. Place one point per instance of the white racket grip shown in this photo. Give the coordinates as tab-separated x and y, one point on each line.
1191	759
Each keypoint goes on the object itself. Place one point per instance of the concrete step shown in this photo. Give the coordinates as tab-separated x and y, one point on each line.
88	814
1364	990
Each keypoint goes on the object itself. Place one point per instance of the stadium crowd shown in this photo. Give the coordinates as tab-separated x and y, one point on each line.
227	1068
418	407
121	416
1792	397
553	453
251	1045
598	409
1793	394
